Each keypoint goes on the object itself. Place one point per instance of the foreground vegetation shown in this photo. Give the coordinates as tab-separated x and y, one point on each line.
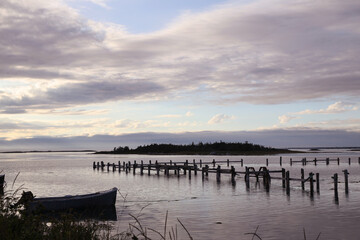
17	224
216	148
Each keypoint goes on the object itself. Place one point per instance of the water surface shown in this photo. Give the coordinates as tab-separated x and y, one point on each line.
209	210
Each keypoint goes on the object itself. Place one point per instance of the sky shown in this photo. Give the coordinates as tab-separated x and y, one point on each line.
104	73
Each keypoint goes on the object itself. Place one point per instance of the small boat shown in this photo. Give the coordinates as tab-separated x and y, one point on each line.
2	179
92	200
2	182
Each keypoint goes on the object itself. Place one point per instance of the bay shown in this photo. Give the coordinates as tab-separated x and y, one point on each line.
208	209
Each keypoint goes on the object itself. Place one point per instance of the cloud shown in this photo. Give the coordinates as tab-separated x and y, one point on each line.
189	114
77	94
135	124
338	107
285	118
266	52
335	108
101	3
275	138
219	118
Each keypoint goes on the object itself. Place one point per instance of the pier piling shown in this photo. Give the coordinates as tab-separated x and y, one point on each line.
346	176
317	182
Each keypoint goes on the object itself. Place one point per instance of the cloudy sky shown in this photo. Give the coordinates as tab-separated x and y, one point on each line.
80	69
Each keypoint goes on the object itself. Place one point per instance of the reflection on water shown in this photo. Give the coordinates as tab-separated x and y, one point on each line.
203	204
101	214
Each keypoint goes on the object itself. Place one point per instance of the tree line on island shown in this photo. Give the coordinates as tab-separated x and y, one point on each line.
216	148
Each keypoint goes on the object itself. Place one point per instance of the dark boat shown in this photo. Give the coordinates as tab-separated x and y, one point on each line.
93	200
2	182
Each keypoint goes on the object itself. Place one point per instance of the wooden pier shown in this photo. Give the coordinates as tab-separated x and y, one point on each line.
193	168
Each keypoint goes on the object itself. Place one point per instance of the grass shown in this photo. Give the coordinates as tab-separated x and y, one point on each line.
16	224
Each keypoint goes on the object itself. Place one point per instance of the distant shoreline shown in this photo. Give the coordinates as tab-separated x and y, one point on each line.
49	151
216	148
204	154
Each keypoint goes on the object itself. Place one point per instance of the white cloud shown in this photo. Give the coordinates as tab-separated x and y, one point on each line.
219	118
285	118
189	114
338	107
335	108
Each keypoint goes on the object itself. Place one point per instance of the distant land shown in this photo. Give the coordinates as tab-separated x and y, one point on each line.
216	148
49	151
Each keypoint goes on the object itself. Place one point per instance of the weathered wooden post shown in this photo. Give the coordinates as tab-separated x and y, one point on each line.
242	162
280	161
203	173
287	182
267	179
317	182
218	169
213	162
129	166
349	161
165	168
283	176
247	177
315	161
175	169
102	165
178	170
233	174
227	162
200	163
327	161
207	170
189	172
267	162
302	179
98	165
311	176
338	161
195	169
124	166
142	168
290	161
305	161
134	167
94	165
107	166
335	177
113	167
171	163
149	167
194	162
119	165
346	175
157	168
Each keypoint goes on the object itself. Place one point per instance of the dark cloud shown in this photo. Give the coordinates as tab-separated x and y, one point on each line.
274	138
266	52
80	93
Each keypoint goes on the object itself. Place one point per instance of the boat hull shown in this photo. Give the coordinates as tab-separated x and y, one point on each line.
93	200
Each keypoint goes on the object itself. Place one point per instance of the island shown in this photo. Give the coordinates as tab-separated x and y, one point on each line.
216	148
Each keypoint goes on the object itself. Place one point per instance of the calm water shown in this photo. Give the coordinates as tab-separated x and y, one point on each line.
208	209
